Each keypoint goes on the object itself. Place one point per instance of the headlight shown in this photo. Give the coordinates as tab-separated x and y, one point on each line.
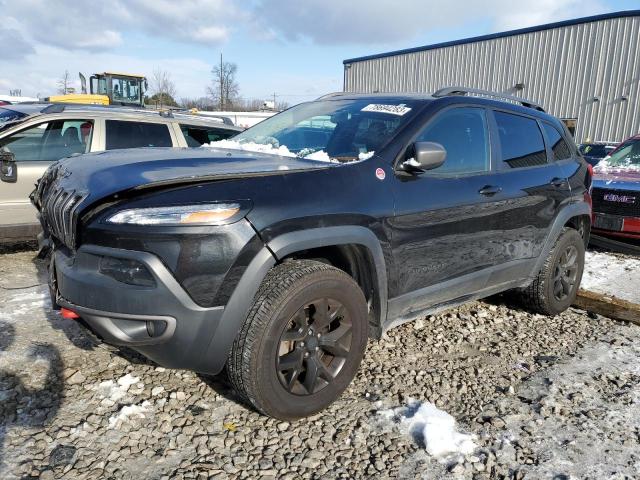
203	214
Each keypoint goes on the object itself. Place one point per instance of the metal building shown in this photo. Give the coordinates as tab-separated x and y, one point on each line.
585	71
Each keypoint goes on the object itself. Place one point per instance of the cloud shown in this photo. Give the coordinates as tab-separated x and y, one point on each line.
365	22
13	46
74	25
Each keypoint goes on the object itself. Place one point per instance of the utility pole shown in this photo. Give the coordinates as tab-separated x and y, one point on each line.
221	85
274	100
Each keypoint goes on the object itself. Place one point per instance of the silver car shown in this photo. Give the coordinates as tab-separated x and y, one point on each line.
32	136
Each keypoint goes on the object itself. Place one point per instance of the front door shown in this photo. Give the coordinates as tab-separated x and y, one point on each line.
444	239
35	147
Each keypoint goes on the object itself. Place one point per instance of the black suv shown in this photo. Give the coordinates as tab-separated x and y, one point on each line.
321	227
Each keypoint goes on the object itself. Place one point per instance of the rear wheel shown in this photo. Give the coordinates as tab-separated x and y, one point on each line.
302	341
556	286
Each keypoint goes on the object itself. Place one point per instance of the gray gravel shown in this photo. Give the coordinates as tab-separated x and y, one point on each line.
546	398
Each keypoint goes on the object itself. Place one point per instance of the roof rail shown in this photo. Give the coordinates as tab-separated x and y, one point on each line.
449	91
330	95
54	108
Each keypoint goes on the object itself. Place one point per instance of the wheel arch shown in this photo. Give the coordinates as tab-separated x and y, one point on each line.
353	249
575	215
351	239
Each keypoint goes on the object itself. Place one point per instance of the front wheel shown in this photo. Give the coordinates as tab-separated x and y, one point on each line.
302	342
556	286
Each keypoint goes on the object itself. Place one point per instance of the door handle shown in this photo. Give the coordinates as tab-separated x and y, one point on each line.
558	182
489	190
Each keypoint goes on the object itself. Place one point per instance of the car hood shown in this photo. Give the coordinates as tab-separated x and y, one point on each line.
98	175
617	178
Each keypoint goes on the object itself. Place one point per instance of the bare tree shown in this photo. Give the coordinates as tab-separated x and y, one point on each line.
202	103
16	92
224	89
163	87
64	84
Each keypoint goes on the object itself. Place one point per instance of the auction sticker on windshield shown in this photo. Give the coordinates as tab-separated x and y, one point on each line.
392	109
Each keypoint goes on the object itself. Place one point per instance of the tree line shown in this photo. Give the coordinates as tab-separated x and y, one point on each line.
222	94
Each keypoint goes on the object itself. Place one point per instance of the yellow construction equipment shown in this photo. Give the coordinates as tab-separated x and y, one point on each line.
108	88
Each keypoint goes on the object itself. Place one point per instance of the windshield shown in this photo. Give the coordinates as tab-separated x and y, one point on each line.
626	157
9	117
328	130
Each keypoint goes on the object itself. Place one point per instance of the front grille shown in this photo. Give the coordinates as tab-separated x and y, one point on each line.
58	207
60	213
600	205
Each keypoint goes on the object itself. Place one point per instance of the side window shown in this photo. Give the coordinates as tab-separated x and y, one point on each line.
559	146
50	141
198	135
520	140
26	144
122	134
463	133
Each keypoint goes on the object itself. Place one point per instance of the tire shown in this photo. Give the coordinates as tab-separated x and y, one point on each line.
267	365
548	294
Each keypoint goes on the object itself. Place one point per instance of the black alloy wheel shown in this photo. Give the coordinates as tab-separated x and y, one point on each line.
314	346
565	273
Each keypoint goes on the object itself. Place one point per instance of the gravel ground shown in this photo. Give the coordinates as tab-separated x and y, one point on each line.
545	398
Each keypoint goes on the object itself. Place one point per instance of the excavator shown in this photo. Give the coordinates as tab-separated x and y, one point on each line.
107	88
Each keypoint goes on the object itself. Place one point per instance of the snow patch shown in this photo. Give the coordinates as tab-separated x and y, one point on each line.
628	164
434	428
24	297
127	412
612	275
320	155
114	391
281	150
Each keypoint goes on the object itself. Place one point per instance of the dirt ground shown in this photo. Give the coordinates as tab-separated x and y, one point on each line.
543	398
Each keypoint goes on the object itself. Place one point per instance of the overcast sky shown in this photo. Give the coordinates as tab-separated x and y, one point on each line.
293	48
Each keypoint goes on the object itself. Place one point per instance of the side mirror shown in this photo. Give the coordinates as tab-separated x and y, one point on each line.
8	167
425	156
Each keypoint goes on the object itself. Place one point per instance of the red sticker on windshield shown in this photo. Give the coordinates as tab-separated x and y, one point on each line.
380	174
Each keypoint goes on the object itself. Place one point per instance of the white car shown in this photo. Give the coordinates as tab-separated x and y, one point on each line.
32	136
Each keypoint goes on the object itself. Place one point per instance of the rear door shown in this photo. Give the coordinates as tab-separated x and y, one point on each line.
35	147
533	187
136	134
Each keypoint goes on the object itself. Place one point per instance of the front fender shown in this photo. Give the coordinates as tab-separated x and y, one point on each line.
240	302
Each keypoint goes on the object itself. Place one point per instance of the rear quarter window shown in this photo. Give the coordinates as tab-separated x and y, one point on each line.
559	146
125	134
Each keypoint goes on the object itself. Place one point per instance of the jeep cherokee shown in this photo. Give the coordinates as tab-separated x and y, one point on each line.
276	259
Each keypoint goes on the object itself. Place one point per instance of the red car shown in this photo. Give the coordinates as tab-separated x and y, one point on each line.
616	191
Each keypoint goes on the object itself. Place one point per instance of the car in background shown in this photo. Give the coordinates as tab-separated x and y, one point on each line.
593	152
616	191
33	136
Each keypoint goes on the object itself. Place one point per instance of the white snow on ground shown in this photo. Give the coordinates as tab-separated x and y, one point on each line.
23	297
433	427
28	302
612	275
127	412
114	391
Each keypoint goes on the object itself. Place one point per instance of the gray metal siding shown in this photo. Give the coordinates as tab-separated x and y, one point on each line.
563	69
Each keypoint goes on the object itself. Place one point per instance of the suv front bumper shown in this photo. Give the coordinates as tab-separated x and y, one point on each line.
161	322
